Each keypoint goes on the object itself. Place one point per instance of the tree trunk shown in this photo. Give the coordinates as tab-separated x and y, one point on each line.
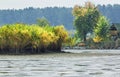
84	37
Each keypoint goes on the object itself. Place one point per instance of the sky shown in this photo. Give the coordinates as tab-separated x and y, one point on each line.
20	4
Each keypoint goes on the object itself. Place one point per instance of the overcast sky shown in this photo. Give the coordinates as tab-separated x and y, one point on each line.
20	4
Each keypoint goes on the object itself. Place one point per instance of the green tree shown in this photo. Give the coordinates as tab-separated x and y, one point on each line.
101	30
42	22
85	19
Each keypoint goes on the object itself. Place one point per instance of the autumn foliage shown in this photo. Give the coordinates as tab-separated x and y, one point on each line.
23	38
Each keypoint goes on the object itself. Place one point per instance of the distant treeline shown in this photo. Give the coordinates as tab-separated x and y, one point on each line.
56	15
112	12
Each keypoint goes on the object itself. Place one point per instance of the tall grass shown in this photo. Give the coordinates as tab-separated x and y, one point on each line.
23	38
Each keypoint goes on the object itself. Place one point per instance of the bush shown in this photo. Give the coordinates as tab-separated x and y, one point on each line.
19	38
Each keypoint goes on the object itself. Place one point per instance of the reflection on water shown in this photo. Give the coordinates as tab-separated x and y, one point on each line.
62	66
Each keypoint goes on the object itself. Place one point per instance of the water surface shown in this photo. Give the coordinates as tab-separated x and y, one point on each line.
59	65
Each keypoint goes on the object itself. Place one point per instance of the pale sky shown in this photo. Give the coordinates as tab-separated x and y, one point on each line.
20	4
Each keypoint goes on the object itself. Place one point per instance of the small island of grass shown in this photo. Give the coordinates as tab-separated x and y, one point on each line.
32	39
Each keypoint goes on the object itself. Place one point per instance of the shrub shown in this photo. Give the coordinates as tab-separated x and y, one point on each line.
20	37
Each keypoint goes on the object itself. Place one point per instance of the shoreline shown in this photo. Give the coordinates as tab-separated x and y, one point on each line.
93	50
54	56
66	54
76	53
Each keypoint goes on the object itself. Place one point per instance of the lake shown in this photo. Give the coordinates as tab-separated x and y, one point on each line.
60	65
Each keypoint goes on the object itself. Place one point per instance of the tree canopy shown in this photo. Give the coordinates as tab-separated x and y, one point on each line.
42	22
86	18
102	27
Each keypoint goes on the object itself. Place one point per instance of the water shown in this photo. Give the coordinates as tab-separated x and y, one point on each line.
93	50
59	65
